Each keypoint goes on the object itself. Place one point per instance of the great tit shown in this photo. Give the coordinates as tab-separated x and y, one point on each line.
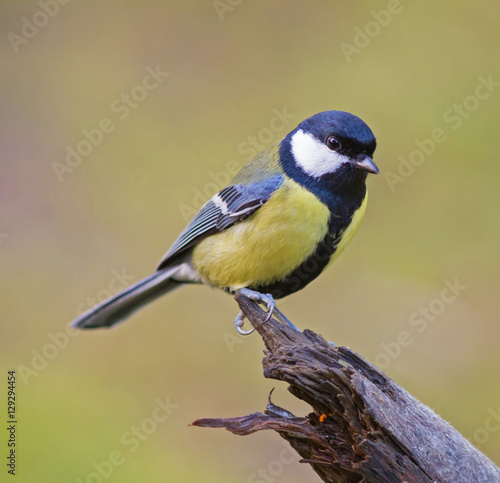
284	218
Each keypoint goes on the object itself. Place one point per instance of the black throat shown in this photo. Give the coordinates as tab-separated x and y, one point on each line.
342	192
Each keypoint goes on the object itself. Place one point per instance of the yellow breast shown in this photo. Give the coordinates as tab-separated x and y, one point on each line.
267	246
350	230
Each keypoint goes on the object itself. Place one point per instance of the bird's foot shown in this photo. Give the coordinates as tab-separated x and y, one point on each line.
260	298
238	323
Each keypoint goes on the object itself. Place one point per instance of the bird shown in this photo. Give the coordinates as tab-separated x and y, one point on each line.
286	216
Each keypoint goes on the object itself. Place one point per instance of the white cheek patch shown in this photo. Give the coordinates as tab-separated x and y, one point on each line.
313	156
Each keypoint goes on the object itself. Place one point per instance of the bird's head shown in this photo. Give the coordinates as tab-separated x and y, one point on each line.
332	143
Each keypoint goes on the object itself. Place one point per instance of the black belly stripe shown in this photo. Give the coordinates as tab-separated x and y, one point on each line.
343	193
306	272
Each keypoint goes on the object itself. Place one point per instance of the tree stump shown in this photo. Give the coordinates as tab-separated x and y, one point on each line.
364	427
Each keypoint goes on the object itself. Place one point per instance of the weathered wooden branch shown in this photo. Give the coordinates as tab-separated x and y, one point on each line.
373	431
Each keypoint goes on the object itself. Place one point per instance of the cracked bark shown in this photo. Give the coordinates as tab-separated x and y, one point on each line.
374	431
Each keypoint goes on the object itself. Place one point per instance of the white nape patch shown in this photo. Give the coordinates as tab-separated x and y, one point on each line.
313	156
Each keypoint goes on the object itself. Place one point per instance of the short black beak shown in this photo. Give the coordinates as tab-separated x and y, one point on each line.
365	163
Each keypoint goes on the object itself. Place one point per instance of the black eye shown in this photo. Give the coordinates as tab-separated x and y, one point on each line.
332	142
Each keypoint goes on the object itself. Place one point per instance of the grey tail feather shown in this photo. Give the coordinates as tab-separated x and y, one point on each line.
124	304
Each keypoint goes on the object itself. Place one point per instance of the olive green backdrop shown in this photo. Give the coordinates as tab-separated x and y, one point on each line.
119	119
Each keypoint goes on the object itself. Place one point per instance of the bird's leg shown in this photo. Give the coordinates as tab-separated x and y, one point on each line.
281	317
258	297
271	307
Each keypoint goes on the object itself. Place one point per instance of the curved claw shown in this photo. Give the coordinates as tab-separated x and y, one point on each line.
266	299
238	324
261	298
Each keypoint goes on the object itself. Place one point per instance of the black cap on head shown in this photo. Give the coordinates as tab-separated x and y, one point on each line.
355	135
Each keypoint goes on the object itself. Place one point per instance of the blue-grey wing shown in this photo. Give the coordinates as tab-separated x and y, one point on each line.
231	205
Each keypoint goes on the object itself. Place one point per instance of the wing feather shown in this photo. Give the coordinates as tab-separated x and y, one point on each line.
231	205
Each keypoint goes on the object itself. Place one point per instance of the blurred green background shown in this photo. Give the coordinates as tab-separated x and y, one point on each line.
75	232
